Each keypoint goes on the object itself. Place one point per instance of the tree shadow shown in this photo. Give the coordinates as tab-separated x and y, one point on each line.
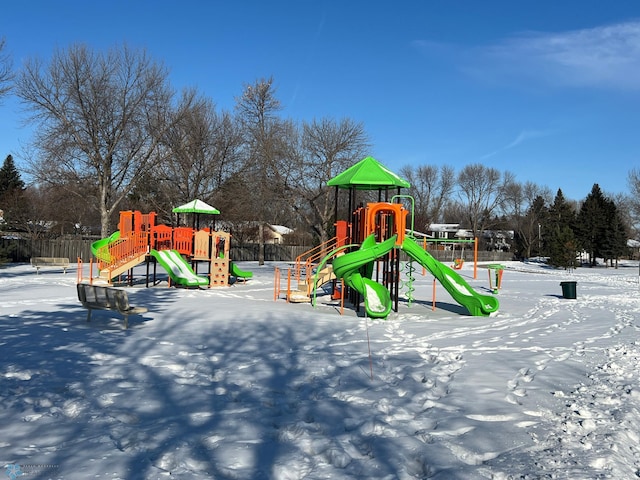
250	398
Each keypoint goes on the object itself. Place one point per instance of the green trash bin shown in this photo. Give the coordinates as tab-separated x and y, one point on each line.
569	289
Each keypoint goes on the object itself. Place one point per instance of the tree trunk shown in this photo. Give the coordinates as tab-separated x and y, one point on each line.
261	244
105	223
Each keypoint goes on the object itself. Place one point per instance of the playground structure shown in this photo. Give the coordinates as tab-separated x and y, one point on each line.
365	254
178	250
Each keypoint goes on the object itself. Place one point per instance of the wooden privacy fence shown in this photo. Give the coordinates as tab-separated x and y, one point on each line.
21	250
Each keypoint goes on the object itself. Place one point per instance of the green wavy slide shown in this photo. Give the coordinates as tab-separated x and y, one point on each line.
178	268
477	304
356	270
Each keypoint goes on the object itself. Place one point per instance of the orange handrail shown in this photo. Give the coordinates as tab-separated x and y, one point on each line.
307	260
123	249
313	254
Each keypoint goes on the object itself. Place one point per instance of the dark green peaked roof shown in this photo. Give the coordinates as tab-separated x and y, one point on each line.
367	174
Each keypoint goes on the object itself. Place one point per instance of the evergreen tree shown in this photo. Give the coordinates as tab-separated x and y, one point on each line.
563	250
9	177
613	242
11	191
560	242
591	226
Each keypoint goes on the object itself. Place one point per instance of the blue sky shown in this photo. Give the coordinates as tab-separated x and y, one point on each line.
548	90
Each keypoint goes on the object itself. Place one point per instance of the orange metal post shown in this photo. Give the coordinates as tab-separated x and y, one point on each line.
276	284
433	306
475	258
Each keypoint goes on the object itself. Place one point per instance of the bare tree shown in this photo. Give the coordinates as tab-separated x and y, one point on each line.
634	197
100	118
6	72
480	192
266	153
327	148
431	189
524	207
626	212
43	211
202	151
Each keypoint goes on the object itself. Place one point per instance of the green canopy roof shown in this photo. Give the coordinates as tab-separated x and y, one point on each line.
196	206
368	174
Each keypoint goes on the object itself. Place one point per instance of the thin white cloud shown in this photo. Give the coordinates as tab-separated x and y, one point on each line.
523	136
603	57
606	57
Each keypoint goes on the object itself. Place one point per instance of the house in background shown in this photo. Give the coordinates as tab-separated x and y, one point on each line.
248	232
496	240
441	232
276	233
448	231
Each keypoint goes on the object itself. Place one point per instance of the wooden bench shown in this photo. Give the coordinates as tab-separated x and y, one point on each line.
100	297
40	262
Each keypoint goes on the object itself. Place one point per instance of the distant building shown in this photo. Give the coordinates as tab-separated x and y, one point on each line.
492	239
247	232
448	231
498	240
277	233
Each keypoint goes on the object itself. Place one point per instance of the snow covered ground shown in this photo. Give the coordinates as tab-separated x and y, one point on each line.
227	383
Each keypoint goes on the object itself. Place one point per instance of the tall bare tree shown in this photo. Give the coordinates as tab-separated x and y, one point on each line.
328	147
480	192
6	72
202	152
267	149
634	197
624	203
524	207
431	189
100	117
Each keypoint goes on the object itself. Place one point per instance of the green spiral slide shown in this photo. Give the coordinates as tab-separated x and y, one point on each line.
356	269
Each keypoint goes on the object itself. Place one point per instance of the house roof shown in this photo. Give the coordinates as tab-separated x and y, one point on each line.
444	227
281	229
462	233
